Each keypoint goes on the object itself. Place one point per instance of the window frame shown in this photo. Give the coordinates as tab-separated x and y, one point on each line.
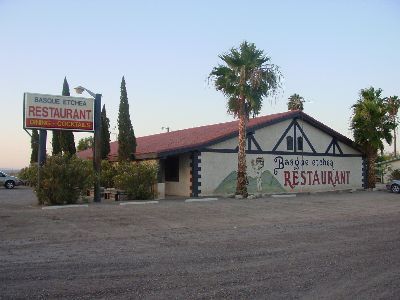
300	142
172	168
289	143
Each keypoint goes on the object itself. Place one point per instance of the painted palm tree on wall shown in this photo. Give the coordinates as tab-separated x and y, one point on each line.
295	102
246	77
371	124
393	104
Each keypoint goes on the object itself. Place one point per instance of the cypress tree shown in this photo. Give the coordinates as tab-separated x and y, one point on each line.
105	134
34	146
126	135
56	143
67	140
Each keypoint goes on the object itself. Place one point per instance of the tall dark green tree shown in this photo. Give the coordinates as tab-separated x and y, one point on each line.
105	134
126	135
56	142
245	78
371	124
67	140
34	146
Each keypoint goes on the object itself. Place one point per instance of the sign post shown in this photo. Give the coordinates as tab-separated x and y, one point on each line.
41	152
97	140
97	147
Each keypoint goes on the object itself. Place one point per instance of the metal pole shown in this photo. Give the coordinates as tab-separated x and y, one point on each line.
395	142
97	147
41	152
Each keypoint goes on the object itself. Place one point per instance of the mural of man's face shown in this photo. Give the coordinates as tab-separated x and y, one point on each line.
260	163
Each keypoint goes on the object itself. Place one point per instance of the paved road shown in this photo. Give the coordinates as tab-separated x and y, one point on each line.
327	246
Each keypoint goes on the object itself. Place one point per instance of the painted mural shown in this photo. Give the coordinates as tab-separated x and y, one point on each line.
263	182
290	156
310	172
276	174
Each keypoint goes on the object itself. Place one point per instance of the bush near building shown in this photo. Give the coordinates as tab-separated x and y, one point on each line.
137	179
63	179
108	172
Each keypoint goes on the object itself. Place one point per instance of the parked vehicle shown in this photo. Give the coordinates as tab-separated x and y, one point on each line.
8	181
394	186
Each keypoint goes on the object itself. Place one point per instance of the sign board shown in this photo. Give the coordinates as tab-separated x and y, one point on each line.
43	111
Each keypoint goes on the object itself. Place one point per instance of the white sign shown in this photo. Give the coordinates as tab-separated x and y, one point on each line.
58	112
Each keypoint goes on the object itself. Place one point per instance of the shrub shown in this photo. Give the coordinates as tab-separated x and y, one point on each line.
395	174
63	179
108	172
137	179
29	174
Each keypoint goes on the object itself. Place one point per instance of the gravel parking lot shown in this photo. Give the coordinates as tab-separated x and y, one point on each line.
319	246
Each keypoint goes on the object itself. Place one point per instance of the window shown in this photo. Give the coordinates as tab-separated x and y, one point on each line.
172	168
300	143
289	143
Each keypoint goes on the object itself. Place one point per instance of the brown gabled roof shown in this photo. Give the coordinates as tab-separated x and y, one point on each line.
185	140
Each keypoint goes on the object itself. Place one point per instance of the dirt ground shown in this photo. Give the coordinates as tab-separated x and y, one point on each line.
319	246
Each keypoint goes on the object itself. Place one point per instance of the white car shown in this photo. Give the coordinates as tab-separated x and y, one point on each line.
394	186
9	181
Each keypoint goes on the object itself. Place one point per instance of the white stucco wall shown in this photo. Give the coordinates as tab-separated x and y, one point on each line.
228	144
268	137
389	167
294	173
263	135
348	150
181	188
270	173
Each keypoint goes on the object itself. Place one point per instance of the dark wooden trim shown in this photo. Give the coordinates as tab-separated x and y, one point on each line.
283	135
255	143
295	136
338	147
301	153
195	172
364	173
329	146
295	125
306	138
334	145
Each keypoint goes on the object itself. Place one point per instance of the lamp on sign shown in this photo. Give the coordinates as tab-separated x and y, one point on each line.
79	89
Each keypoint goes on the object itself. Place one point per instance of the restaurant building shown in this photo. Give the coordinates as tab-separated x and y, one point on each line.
288	152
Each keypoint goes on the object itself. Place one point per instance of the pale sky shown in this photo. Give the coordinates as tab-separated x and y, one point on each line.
327	52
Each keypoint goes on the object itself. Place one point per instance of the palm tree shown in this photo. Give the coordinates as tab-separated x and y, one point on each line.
245	78
295	102
371	124
393	104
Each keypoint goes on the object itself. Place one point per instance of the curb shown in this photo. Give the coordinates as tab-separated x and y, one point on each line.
200	200
65	206
283	195
139	202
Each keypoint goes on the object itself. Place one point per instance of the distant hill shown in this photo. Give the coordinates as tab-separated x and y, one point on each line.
269	184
